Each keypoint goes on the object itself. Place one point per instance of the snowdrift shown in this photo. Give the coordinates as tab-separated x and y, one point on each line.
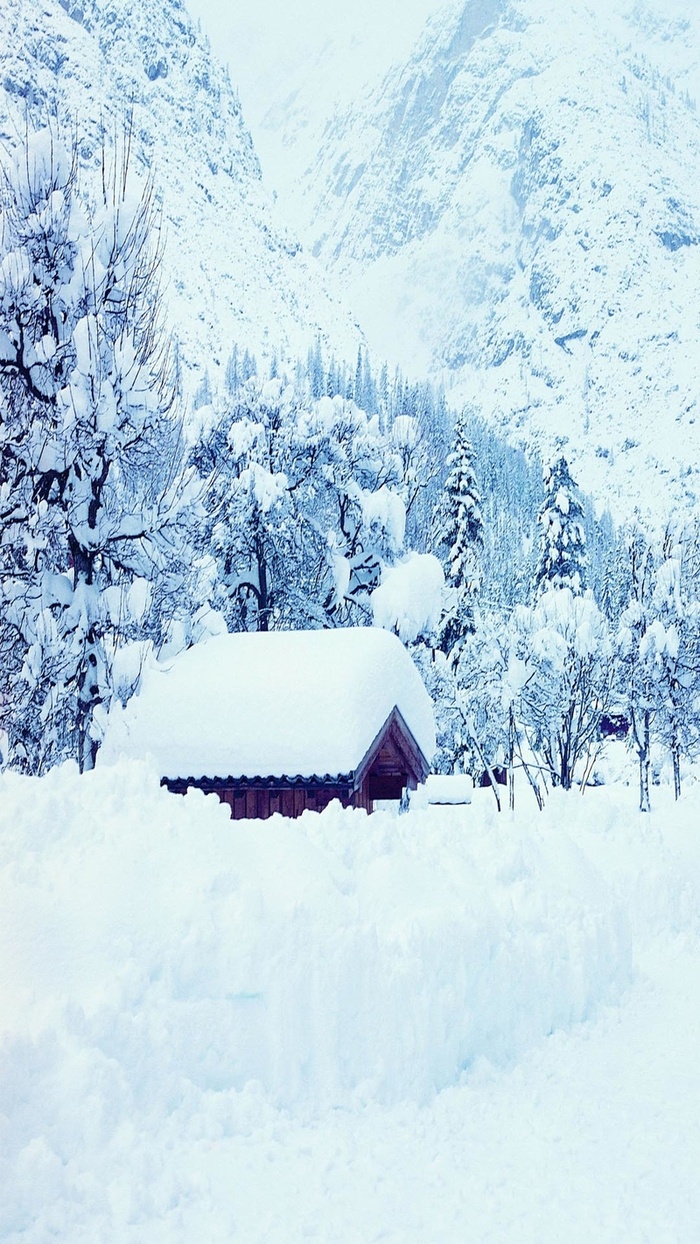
185	1001
154	948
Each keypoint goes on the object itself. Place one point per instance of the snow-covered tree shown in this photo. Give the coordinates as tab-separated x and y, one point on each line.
459	538
640	664
478	706
90	490
481	727
562	560
660	652
565	658
303	508
409	598
679	654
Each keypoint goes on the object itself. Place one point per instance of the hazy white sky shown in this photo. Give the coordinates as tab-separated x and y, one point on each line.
263	39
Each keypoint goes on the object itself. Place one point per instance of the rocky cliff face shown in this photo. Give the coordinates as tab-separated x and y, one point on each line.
518	209
233	270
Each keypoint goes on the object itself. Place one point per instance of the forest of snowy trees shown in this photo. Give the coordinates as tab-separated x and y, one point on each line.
313	496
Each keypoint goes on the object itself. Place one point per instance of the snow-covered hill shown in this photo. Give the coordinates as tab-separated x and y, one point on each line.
517	207
234	272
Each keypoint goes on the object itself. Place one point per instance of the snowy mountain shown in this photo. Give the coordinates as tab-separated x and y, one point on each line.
233	271
516	207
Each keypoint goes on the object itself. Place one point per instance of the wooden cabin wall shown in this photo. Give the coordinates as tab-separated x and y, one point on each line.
363	798
260	802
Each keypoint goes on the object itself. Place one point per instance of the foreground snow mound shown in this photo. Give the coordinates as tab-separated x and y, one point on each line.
156	955
155	949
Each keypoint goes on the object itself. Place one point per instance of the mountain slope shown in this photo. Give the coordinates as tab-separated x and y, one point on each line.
233	271
517	207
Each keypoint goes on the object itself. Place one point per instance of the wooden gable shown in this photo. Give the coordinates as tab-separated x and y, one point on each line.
394	763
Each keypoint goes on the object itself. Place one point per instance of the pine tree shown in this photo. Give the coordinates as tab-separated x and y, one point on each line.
203	395
249	367
460	541
316	375
562	558
233	376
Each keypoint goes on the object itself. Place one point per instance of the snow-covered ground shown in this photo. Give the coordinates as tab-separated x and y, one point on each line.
450	1026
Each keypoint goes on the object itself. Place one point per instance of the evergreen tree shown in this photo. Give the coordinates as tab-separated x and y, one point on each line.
383	393
316	377
639	654
562	543
249	367
203	394
460	541
358	387
332	381
232	375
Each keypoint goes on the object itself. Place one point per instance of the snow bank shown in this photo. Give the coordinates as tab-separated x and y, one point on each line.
178	991
155	948
284	702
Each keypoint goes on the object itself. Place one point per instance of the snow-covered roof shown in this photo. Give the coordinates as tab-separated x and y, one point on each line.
282	703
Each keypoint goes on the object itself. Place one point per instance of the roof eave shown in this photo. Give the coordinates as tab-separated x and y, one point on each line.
270	781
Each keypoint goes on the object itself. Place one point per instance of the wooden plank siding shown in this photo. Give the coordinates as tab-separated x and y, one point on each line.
391	764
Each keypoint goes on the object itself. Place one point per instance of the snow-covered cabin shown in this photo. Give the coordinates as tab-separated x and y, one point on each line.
284	721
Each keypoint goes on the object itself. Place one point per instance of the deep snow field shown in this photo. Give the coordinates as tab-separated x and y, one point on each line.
449	1026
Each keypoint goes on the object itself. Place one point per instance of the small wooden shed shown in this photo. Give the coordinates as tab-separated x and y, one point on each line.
284	721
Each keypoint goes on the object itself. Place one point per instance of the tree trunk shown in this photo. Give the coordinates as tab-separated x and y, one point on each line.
89	691
511	759
263	594
676	754
644	765
487	767
564	747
